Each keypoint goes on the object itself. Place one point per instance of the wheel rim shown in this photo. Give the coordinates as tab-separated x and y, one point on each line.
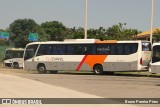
41	69
16	65
97	70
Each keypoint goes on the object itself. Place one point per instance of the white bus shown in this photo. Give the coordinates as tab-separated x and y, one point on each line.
89	55
155	62
14	57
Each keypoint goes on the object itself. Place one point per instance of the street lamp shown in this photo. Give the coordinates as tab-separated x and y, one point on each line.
152	13
86	18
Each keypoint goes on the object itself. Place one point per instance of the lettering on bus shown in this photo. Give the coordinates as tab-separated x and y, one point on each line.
54	59
103	49
57	59
49	59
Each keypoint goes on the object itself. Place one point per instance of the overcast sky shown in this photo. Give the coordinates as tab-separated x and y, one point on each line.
105	13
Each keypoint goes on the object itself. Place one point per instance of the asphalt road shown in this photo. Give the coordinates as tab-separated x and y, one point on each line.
108	86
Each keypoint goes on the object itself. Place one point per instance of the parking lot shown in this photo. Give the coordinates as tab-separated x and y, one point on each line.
108	86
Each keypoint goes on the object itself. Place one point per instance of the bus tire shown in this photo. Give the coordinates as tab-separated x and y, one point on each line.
15	65
41	69
98	69
53	72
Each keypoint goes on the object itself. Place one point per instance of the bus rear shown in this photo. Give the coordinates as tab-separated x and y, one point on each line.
145	55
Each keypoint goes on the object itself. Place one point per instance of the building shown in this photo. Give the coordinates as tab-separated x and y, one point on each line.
146	35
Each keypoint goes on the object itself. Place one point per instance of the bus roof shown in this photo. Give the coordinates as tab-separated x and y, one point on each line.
82	40
16	49
155	44
77	41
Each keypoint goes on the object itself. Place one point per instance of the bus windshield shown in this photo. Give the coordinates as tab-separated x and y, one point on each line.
14	54
30	51
156	54
146	46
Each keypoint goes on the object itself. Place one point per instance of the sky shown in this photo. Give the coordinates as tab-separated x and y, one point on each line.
105	13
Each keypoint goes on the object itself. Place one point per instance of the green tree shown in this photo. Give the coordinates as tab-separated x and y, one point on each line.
77	33
116	31
156	35
119	32
20	29
68	33
130	34
1	30
91	33
99	33
56	30
42	35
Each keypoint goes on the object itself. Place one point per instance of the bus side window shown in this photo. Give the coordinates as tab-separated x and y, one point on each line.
134	48
58	50
18	55
61	49
93	49
70	50
120	49
53	52
74	49
86	50
30	51
146	46
156	54
127	49
89	49
8	55
78	49
113	49
44	50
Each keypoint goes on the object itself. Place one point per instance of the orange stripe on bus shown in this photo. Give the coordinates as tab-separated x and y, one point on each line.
80	64
91	60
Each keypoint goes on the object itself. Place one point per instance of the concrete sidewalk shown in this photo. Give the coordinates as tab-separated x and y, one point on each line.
17	87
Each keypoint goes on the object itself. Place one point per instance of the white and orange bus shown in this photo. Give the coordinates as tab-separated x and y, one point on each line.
89	55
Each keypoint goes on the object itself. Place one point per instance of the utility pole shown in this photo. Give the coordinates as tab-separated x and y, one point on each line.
86	18
152	14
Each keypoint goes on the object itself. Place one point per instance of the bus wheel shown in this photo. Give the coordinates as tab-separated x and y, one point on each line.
16	65
98	69
53	72
41	69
